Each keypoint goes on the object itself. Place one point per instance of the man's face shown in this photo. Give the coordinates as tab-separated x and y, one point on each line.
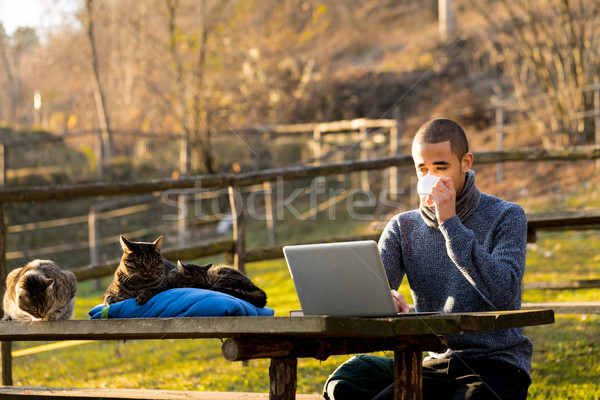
437	159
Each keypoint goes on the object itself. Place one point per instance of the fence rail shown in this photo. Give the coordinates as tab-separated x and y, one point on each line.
223	180
236	245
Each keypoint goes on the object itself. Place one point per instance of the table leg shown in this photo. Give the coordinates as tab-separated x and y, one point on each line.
408	375
283	375
6	349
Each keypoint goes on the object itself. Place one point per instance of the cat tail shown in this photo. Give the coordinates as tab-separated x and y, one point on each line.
256	297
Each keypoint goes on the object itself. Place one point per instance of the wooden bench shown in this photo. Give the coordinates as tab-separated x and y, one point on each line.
282	339
45	393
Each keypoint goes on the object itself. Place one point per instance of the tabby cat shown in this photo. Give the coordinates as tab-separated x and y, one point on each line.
220	278
141	274
39	291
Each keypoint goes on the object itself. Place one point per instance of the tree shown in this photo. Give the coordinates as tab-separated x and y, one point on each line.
549	48
99	97
189	56
10	110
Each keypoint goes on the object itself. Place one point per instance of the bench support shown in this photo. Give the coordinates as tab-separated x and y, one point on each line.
6	349
283	375
408	375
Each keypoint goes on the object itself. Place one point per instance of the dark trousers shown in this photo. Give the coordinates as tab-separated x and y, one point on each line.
456	379
367	377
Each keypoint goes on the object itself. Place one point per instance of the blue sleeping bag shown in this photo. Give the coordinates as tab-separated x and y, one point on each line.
184	302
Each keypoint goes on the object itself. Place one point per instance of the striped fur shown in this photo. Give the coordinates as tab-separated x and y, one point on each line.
141	273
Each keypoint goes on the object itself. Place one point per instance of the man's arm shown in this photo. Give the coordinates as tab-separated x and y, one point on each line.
495	273
389	246
391	253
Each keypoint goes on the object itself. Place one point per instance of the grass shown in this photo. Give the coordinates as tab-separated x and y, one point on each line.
566	362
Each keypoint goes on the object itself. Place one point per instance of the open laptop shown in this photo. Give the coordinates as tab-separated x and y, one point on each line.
340	279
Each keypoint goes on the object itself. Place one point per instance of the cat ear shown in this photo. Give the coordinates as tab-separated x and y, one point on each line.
207	266
125	244
180	265
48	282
158	243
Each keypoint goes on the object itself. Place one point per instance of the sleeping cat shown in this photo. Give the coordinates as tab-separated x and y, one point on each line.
220	278
141	274
39	291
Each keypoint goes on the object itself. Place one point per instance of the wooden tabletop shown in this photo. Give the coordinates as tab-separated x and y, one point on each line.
311	326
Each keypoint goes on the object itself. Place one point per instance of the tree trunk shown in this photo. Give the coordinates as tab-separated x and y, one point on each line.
99	98
12	105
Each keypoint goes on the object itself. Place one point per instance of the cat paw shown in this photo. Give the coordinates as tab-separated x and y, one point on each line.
143	298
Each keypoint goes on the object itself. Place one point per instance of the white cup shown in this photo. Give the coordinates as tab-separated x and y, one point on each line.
425	184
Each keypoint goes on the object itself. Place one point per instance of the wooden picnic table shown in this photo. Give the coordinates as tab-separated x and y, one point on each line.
285	339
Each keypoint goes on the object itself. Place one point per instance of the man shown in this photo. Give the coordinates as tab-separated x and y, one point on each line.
461	251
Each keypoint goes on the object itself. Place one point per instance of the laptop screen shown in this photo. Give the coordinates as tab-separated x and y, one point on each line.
340	279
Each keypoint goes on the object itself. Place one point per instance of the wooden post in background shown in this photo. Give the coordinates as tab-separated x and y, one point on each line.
597	115
257	152
365	144
499	131
446	19
184	170
5	347
99	157
93	241
270	213
2	165
317	145
237	211
394	178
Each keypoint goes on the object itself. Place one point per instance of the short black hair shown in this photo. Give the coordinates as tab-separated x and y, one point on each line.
442	130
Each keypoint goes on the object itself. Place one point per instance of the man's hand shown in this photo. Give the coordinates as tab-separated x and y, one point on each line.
399	302
443	196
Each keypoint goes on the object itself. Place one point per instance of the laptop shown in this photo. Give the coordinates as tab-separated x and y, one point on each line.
340	279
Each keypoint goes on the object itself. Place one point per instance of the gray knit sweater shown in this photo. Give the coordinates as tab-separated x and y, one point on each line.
465	266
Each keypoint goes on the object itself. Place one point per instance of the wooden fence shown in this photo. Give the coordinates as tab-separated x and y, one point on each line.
236	245
163	153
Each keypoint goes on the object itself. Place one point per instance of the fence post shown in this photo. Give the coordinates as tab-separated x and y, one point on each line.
5	347
365	146
93	241
2	165
184	170
269	213
446	18
100	156
395	135
256	155
499	132
239	233
597	115
317	145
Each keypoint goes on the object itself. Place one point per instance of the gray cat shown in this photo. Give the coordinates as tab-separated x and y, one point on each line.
39	291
